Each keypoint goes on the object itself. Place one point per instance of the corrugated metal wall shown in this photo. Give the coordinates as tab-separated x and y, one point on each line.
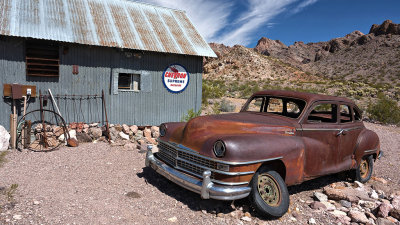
96	66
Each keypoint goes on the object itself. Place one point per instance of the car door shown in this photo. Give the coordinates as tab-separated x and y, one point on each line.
350	128
320	128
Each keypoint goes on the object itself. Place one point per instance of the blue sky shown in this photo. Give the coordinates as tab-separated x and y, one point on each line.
246	21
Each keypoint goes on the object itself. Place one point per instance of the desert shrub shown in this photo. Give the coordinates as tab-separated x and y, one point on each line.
226	106
385	110
212	89
190	115
216	108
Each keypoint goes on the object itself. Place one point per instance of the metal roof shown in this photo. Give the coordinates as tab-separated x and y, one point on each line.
111	23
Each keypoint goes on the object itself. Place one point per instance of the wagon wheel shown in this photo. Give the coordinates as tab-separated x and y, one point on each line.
41	130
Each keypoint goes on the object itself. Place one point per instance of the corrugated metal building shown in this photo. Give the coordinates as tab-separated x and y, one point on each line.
80	47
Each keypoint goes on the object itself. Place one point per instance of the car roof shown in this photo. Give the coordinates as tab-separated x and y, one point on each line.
308	97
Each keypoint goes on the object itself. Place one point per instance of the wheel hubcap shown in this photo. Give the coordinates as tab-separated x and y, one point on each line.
364	167
269	190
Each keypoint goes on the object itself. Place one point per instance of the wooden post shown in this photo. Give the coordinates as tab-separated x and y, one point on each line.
13	126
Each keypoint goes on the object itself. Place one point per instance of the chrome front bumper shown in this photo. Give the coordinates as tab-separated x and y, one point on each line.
206	188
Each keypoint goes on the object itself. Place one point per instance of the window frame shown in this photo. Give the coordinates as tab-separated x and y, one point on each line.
145	83
315	104
131	85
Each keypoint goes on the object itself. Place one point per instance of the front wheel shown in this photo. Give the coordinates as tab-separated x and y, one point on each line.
364	170
269	194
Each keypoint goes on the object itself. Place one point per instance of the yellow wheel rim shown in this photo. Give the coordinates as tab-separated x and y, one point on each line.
268	189
364	168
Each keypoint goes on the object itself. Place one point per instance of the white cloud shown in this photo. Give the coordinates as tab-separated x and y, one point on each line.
303	5
258	14
208	16
215	21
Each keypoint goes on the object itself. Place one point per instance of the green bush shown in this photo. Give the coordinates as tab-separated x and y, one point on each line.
190	115
226	106
385	110
3	158
212	89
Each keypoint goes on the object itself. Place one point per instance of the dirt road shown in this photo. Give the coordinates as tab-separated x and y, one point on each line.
99	184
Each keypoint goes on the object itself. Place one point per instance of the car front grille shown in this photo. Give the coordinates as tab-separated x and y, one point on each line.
183	160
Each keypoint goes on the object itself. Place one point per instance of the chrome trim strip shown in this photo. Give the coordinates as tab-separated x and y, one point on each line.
217	160
371	150
205	187
217	171
327	129
215	181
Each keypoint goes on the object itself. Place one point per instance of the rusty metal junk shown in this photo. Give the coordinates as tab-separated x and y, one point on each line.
44	130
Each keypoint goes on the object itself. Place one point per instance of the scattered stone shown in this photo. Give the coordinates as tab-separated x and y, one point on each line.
374	195
138	135
17	217
370	215
292	219
125	128
383	210
72	134
173	219
114	133
358	217
345	203
147	133
379	179
343	220
134	129
329	206
320	197
95	132
391	219
359	184
396	202
123	135
36	202
155	131
395	213
93	125
367	204
204	211
220	215
312	221
246	218
247	214
83	137
317	205
338	213
347	193
382	221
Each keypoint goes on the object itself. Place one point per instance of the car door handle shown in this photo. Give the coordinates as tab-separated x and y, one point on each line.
341	132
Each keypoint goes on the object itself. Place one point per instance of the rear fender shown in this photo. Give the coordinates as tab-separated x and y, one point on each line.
367	144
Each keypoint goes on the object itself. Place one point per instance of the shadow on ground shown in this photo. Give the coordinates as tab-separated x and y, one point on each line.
194	202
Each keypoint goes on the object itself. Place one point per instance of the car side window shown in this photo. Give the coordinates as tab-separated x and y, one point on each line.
255	104
275	105
345	115
323	113
357	115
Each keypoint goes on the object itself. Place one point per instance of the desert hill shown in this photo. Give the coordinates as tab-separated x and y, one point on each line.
359	66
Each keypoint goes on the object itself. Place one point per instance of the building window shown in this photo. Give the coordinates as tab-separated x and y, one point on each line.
127	81
42	58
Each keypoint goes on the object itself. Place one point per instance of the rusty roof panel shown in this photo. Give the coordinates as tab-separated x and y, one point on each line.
5	9
111	23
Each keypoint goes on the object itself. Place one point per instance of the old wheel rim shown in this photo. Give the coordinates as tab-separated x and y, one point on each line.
364	167
269	189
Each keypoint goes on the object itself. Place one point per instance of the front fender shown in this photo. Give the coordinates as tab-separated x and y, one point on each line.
246	148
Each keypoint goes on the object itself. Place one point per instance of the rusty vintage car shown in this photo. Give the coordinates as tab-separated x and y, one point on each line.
279	138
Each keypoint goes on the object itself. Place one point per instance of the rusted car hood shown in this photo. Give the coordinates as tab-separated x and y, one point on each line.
205	130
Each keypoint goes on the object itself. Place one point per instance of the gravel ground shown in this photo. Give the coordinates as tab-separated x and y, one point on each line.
100	184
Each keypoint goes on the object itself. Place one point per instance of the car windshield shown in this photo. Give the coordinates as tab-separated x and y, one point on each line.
283	106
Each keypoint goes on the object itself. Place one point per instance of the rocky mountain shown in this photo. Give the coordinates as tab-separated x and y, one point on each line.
357	65
371	58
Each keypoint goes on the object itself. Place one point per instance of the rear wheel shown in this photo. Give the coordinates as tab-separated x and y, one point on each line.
364	170
269	194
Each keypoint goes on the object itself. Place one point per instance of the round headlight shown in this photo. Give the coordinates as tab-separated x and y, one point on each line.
219	148
163	130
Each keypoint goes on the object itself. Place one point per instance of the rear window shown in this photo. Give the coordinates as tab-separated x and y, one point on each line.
288	107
